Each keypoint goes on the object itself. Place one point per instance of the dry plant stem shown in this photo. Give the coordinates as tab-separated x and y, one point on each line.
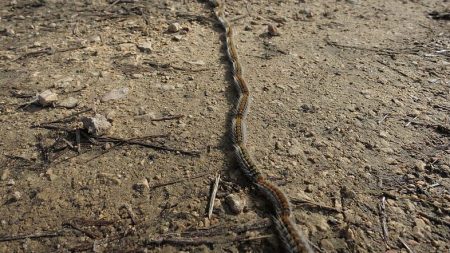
150	145
168	118
48	51
406	245
65	119
31	236
383	218
132	215
213	196
84	231
78	140
195	241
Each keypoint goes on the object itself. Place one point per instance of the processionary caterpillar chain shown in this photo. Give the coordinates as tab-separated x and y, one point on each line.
292	239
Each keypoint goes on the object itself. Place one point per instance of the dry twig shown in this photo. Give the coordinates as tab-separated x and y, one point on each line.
31	236
132	215
195	241
213	196
406	245
383	218
168	118
147	145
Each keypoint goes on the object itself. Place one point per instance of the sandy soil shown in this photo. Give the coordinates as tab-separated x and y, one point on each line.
350	117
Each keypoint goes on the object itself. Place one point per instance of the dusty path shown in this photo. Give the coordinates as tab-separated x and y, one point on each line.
350	117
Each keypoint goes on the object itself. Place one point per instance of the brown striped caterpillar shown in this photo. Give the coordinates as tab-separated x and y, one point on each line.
292	239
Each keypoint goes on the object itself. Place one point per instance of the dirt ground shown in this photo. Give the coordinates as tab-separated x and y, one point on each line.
350	116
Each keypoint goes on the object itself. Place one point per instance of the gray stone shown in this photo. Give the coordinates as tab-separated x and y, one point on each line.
97	125
115	94
69	102
235	203
5	174
177	37
145	47
272	30
420	166
47	97
295	150
174	27
15	196
420	229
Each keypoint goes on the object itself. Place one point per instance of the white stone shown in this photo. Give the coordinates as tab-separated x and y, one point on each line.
145	47
97	125
235	203
47	97
174	27
69	102
115	94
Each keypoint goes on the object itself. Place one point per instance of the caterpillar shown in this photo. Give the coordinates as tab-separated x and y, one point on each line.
292	239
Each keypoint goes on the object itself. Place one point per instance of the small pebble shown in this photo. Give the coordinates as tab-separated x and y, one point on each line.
16	196
115	94
95	39
174	27
420	166
273	30
145	47
110	177
47	97
97	125
7	31
11	182
69	102
177	37
235	204
51	176
5	174
295	150
141	187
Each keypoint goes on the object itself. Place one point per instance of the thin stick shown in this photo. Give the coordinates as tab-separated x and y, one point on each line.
47	51
383	218
132	215
150	145
213	196
78	139
195	241
382	119
168	118
111	5
30	236
65	119
410	121
406	245
84	231
315	246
